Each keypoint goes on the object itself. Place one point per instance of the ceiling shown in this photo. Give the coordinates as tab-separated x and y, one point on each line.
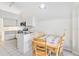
53	10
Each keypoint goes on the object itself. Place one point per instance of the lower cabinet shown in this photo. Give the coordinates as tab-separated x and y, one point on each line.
24	43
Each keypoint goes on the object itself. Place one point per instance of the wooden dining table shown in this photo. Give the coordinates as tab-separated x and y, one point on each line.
52	47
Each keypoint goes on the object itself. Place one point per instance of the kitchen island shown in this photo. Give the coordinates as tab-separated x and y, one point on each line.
24	42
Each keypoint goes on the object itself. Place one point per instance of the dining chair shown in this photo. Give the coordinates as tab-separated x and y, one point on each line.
39	48
53	50
61	45
58	48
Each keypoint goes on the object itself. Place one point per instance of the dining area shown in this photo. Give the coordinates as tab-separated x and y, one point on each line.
37	31
48	45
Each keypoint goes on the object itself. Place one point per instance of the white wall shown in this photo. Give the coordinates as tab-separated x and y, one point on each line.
78	27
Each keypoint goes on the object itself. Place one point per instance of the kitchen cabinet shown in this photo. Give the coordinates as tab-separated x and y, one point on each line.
24	43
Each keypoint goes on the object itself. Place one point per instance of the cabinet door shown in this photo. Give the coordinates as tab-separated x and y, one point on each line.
20	43
28	46
27	43
27	37
9	22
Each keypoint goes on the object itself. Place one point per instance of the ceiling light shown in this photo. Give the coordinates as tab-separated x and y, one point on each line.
11	4
42	6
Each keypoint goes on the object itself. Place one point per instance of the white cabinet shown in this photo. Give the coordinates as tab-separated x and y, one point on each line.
24	43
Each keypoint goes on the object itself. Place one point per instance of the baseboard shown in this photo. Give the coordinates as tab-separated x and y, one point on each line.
67	49
72	51
76	53
10	39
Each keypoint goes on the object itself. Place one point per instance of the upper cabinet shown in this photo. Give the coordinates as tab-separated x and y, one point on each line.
9	19
8	22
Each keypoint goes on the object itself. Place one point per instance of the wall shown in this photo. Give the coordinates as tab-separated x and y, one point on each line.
78	27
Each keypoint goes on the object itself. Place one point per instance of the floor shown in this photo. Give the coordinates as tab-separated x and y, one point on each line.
9	49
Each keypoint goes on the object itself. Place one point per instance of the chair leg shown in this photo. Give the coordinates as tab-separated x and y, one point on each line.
49	53
60	53
57	52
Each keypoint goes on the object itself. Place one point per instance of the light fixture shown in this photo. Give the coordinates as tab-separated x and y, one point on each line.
11	4
42	6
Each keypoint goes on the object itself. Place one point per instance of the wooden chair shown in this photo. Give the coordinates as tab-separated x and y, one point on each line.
61	45
61	48
39	48
58	48
54	49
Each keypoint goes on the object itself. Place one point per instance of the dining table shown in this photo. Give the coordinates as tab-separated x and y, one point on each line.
52	42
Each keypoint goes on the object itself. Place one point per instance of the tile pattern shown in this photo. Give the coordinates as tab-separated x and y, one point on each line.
9	49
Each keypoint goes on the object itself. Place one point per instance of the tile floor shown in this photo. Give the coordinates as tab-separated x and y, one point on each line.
9	49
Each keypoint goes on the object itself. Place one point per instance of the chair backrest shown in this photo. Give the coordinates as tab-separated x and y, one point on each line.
61	43
62	39
40	48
